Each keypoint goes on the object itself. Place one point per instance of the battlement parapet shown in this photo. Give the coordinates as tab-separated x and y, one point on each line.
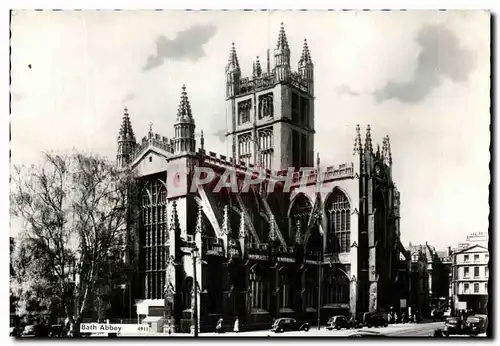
155	140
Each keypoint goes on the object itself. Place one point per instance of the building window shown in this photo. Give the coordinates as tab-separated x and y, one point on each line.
266	147
486	257
266	106
476	258
466	288
245	147
486	272
476	272
304	111
153	238
486	288
300	211
339	222
244	108
303	150
466	272
258	293
295	108
466	258
476	288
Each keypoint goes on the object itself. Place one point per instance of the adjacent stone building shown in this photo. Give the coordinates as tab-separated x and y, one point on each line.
329	244
469	284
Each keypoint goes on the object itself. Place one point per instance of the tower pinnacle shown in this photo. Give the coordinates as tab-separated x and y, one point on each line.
184	113
184	140
126	141
233	63
305	58
368	140
357	141
282	57
282	43
257	69
126	131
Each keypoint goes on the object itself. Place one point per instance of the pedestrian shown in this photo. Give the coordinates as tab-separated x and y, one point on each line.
169	327
236	328
218	328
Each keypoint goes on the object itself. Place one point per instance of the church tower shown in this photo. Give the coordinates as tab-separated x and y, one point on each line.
126	141
270	114
184	140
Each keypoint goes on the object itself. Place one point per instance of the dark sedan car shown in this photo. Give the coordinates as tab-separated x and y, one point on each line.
475	325
338	322
372	319
452	325
38	330
288	325
57	331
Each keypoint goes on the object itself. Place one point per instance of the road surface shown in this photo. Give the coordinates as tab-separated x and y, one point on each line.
393	330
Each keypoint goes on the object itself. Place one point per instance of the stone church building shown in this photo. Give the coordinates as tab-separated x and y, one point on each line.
330	243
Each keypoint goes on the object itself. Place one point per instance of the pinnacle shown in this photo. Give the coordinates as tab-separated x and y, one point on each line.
174	221
257	68
282	41
233	63
126	131
368	140
184	113
306	54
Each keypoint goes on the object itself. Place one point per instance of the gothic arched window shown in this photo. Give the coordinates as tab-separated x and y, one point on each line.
338	211
266	147
244	108
153	237
266	106
300	211
258	290
245	147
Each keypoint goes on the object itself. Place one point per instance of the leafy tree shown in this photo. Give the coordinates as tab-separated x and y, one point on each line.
75	214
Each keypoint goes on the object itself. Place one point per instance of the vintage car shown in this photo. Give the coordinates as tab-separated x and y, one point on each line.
288	325
373	319
57	331
475	325
452	326
338	322
35	330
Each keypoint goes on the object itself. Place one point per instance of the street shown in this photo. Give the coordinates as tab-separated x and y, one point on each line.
396	330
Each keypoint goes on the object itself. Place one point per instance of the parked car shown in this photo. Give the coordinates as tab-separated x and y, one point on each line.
57	331
288	325
475	325
452	325
373	319
338	322
38	330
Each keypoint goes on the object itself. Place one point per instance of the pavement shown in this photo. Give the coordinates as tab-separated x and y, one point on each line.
393	330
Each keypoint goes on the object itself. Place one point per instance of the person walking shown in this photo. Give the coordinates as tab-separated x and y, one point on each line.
236	327
218	328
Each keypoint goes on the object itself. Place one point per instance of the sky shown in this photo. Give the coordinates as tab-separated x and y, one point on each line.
421	77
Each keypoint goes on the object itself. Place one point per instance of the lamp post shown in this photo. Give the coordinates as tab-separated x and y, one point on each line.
319	290
195	255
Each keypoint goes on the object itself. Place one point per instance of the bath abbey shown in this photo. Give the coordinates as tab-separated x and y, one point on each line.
306	240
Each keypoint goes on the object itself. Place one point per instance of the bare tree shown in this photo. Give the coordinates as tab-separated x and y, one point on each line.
75	213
